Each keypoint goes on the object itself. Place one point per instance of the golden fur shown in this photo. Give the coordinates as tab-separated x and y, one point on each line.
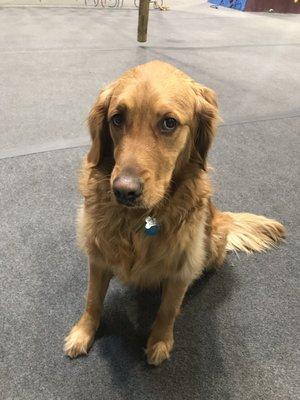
194	234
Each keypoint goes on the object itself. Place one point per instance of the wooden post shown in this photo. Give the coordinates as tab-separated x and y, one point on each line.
143	20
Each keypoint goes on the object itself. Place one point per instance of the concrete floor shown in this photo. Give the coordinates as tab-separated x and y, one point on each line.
236	337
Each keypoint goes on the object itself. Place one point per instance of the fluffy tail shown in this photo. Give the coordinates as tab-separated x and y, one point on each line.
249	232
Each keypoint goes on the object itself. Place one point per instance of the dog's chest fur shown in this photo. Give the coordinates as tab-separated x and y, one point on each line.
116	237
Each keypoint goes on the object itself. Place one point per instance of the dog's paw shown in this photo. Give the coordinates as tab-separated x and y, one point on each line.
79	341
158	352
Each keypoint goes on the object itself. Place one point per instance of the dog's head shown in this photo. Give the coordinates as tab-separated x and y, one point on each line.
148	126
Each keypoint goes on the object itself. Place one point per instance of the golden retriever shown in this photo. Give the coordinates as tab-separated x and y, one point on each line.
148	217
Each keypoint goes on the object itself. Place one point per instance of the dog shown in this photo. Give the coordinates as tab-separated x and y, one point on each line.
148	217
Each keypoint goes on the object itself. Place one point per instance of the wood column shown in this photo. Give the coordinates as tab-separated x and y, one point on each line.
143	20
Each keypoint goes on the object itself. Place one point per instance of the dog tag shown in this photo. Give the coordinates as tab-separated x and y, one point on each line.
151	227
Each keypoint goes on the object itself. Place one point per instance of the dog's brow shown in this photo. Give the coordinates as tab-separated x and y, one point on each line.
168	112
122	106
118	108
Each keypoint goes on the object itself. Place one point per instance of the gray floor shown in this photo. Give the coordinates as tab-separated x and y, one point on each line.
236	337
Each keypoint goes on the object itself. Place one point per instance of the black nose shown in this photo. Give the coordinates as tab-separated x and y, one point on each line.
127	189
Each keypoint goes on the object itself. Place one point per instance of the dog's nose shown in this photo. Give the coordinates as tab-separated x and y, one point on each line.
127	189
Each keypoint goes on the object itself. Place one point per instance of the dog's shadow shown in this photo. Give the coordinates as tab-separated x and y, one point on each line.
196	358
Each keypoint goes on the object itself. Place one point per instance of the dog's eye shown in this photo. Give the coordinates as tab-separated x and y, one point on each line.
117	120
169	124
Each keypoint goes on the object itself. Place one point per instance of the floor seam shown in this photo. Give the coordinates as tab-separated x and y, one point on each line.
179	48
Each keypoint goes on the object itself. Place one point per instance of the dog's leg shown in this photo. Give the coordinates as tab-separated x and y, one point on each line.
160	342
82	334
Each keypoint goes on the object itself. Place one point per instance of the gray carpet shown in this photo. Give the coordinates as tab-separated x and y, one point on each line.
236	338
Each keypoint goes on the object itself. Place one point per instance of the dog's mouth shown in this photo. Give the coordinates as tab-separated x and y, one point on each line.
139	204
130	203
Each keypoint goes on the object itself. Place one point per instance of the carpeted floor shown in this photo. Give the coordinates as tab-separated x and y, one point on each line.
236	338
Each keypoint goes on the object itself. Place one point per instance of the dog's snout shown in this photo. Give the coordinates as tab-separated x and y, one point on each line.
127	189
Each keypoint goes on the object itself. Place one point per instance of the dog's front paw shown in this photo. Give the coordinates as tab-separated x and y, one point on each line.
79	340
158	351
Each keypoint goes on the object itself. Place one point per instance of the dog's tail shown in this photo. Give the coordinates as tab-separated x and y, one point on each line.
249	232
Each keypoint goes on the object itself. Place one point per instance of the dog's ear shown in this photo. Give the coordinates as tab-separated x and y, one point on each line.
207	118
99	130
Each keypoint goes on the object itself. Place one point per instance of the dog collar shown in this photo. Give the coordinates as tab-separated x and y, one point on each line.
152	228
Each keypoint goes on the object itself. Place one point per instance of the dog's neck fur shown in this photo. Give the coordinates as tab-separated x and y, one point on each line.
186	194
